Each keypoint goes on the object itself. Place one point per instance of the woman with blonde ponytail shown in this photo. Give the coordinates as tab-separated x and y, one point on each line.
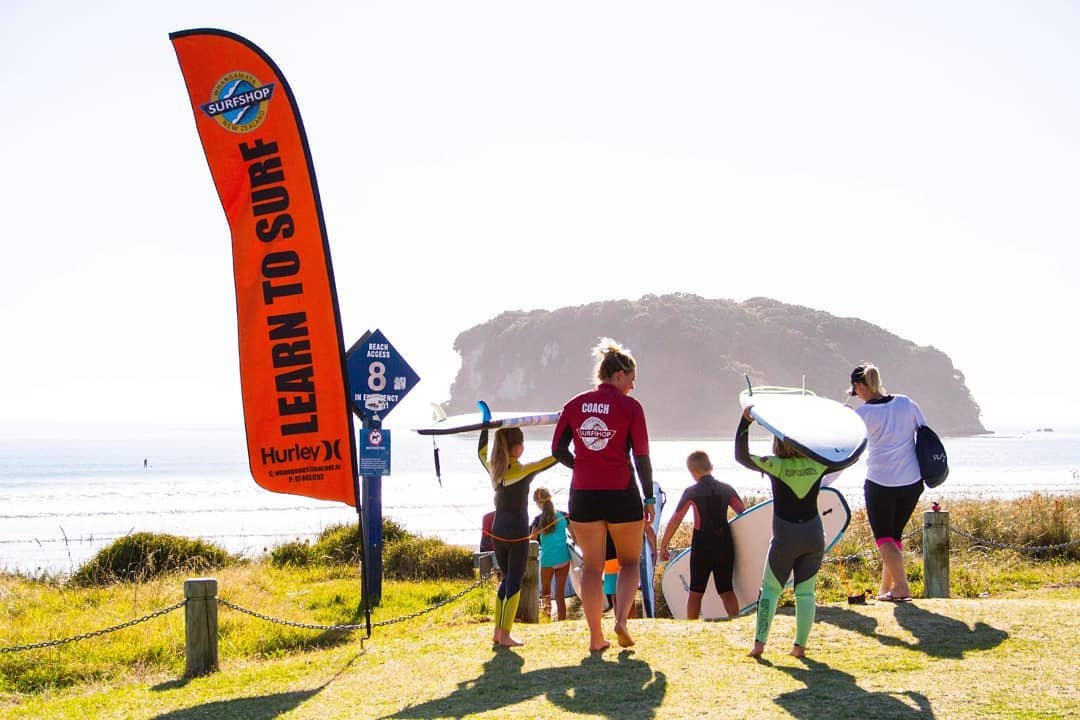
551	528
607	429
893	480
510	529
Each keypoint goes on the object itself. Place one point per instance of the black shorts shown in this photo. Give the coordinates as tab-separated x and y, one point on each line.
888	509
613	506
711	555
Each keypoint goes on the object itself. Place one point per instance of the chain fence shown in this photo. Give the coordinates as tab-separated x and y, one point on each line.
1010	546
261	616
979	541
350	627
95	633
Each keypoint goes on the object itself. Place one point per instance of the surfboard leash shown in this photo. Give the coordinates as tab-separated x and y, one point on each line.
530	536
438	467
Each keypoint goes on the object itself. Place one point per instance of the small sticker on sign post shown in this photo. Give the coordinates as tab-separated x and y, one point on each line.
374	452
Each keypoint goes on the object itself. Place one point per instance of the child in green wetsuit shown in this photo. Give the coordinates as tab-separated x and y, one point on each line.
798	541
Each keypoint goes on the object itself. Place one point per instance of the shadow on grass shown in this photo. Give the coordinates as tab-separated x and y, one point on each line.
826	686
262	707
258	707
627	689
936	635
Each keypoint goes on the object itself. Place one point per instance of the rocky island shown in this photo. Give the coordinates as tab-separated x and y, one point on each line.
693	353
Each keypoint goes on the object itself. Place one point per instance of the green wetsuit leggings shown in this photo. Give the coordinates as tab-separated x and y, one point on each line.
795	548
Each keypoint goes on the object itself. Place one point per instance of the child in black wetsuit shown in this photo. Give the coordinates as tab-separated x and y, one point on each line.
711	550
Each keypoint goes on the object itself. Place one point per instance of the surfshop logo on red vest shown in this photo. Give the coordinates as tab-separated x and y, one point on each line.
595	434
238	102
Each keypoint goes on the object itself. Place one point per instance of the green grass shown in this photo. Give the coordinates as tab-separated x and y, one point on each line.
982	654
934	658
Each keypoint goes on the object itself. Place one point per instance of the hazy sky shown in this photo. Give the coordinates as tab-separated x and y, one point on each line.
914	164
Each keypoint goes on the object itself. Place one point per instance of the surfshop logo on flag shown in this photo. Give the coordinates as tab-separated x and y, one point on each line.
238	102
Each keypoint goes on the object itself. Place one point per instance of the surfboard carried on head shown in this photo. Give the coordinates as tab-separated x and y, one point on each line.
485	419
750	534
822	429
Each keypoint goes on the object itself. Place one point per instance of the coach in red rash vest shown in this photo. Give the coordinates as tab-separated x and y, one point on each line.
607	427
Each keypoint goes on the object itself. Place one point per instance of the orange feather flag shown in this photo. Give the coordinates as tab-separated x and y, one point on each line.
292	362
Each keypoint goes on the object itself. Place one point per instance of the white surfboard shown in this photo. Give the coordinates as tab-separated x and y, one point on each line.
751	533
472	422
825	430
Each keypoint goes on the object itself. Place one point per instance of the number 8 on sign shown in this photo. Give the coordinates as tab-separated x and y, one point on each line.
376	376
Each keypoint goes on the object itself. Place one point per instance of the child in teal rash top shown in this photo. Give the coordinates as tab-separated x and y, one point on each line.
552	528
798	541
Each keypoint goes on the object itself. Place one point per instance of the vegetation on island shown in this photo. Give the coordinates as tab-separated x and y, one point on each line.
693	353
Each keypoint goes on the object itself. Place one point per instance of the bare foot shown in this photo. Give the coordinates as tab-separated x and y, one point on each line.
797	651
624	636
757	650
604	645
508	641
496	637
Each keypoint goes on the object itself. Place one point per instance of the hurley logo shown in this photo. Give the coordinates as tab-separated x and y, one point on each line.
297	452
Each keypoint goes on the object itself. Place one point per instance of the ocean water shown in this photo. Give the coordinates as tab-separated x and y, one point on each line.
66	494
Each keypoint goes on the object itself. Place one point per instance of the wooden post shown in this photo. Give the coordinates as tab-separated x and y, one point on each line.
529	607
936	554
484	562
201	626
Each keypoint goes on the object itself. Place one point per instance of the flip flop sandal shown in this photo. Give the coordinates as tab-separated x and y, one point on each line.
889	597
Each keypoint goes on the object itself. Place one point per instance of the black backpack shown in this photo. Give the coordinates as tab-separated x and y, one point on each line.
933	461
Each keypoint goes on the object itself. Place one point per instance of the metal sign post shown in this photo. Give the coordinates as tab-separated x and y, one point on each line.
378	379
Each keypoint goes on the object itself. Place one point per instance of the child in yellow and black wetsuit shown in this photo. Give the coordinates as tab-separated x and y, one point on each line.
798	540
510	529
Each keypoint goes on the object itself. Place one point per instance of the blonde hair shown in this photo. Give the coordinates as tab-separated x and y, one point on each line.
547	510
505	439
611	358
698	462
783	449
872	379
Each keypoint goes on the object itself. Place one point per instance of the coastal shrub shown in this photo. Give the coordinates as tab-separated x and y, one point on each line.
342	544
1031	521
143	556
292	554
417	558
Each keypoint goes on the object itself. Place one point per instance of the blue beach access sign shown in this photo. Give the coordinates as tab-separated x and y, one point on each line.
378	376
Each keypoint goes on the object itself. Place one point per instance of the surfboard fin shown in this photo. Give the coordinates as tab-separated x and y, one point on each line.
438	412
485	411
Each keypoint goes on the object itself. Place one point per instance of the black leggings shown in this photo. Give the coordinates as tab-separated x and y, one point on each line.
511	557
888	509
